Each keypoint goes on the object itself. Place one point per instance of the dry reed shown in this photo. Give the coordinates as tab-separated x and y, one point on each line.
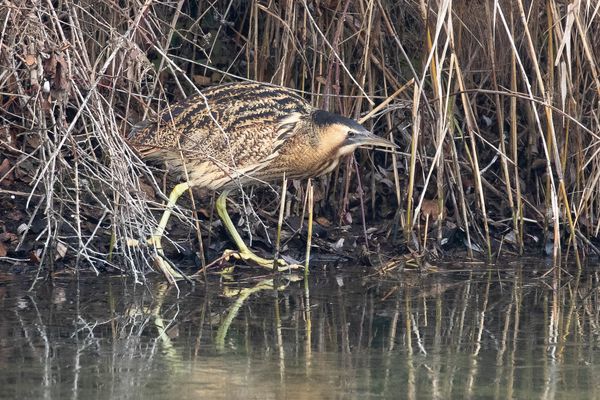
502	151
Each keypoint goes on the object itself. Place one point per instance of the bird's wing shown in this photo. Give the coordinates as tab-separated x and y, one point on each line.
285	130
239	126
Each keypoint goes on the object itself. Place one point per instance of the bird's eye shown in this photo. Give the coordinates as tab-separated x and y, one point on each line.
351	134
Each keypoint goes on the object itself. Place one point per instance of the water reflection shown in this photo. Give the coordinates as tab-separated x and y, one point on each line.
498	333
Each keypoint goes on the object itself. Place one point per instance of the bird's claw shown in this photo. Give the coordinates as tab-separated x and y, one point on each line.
249	257
168	269
172	274
163	266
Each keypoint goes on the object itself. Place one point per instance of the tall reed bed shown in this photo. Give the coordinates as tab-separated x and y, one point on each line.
494	105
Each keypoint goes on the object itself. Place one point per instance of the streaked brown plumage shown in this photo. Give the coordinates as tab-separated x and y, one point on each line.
246	133
253	131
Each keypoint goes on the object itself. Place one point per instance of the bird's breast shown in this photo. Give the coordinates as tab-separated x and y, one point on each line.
301	159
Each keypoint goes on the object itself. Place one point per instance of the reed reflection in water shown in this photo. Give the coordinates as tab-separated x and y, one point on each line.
505	332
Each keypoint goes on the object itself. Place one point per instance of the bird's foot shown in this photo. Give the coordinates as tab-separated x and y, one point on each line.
171	273
162	264
251	258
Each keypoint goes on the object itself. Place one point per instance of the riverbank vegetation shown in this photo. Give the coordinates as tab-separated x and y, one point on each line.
494	106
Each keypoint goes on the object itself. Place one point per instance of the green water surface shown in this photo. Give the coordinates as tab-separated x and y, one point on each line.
468	332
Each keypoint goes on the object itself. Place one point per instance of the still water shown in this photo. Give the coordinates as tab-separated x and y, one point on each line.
476	332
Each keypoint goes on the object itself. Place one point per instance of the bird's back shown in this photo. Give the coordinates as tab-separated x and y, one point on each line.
225	133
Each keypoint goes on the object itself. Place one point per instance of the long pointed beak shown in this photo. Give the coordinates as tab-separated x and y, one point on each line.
369	139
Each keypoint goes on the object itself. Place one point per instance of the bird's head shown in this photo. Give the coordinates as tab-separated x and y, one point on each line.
341	135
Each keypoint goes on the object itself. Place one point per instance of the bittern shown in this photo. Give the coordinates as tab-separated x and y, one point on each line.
237	134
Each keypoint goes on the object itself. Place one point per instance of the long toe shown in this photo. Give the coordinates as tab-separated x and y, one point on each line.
282	265
162	265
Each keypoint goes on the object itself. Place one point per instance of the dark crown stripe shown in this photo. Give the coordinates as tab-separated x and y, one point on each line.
325	118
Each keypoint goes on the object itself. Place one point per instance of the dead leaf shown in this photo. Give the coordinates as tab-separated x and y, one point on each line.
62	81
61	251
6	175
30	60
15	215
147	190
9	237
34	141
323	221
430	208
50	67
339	244
321	79
35	256
201	80
347	218
56	70
4	167
8	138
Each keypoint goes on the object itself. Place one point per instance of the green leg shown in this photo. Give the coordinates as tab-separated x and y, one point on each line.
162	264
224	215
162	225
244	252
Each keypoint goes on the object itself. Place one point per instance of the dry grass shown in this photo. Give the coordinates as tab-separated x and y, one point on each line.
503	141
